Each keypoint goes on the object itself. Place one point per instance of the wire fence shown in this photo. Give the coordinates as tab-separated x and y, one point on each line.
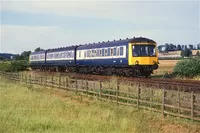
168	102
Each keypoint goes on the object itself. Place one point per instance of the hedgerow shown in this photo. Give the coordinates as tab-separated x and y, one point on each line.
188	68
14	66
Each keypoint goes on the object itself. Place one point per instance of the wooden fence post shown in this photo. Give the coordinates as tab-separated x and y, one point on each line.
67	83
117	92
87	87
192	106
163	103
76	86
51	80
151	98
94	88
46	79
128	94
59	82
100	89
179	101
30	79
138	95
41	78
22	77
25	78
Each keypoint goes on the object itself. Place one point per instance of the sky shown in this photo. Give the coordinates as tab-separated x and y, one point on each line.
27	24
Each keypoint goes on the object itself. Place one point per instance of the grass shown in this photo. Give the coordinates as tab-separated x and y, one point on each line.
28	109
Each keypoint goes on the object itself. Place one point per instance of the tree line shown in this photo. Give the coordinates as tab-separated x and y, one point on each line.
186	50
172	47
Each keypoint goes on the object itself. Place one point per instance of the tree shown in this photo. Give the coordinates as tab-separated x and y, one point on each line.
186	53
2	58
178	47
160	48
25	55
183	47
182	53
38	49
191	47
197	54
172	47
166	47
198	46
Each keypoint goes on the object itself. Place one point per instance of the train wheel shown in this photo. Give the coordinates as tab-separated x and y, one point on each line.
136	73
148	75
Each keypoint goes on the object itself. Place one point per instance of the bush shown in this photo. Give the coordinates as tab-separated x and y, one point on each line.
188	68
5	66
14	66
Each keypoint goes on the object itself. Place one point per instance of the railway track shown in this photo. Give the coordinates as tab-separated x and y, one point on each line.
174	84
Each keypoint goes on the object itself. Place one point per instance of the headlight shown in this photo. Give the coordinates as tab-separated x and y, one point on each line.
136	62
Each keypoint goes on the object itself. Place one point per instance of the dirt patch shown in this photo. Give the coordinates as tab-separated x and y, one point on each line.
168	62
169	126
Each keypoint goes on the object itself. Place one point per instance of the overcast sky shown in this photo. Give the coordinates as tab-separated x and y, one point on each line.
26	25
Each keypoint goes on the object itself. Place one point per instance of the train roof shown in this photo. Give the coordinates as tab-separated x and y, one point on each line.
116	43
39	52
62	49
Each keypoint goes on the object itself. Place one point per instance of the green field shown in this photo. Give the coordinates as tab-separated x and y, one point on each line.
27	109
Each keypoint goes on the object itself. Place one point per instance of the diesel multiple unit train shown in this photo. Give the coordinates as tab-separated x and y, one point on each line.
129	57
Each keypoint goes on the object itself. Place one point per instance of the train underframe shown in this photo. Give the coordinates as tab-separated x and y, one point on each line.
125	71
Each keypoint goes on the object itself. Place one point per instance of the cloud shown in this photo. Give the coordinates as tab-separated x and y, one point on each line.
15	39
116	10
75	22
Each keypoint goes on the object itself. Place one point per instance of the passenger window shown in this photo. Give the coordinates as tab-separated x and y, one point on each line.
72	54
79	54
111	52
90	53
93	53
97	52
121	50
115	51
84	54
106	52
102	52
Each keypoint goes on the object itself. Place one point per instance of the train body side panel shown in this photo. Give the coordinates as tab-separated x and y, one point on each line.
109	60
60	62
63	57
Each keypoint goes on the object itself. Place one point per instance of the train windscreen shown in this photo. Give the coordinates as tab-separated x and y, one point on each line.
144	50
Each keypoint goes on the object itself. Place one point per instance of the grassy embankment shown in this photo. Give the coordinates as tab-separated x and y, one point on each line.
28	108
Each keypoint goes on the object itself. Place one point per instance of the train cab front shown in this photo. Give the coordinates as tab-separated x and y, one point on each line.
143	56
